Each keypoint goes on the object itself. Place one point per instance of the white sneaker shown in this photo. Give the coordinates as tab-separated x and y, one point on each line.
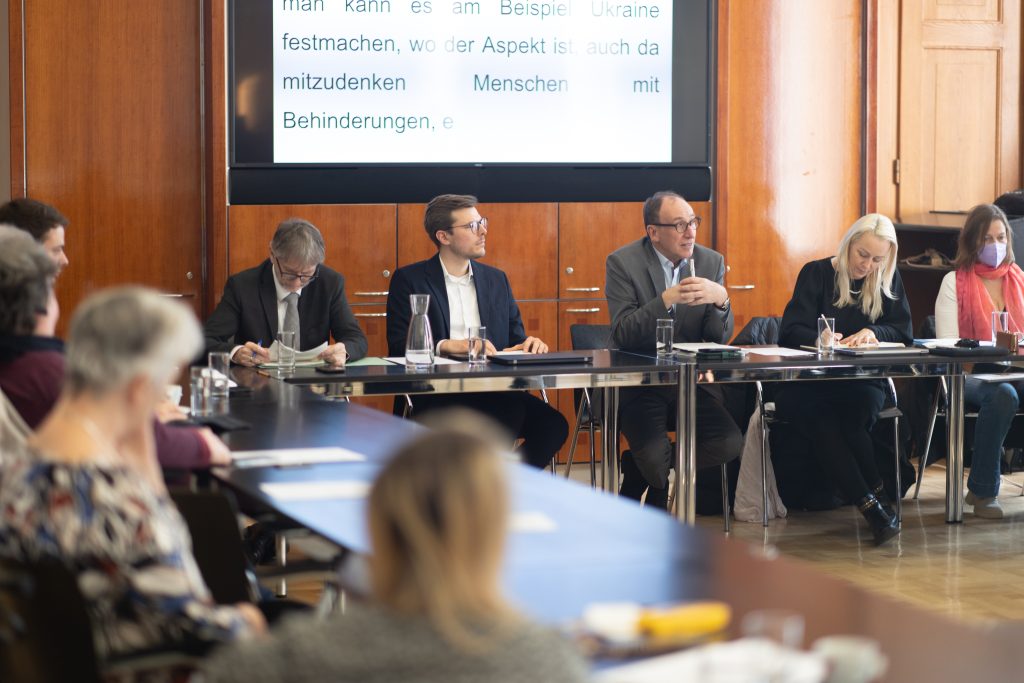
986	508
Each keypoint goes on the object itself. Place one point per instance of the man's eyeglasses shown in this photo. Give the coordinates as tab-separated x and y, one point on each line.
473	226
287	276
680	226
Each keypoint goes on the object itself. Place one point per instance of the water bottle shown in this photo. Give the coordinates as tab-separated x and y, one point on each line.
419	343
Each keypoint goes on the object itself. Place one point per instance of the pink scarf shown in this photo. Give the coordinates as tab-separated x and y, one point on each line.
974	305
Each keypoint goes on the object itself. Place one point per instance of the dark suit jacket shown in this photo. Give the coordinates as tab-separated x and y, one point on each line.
247	312
633	285
499	312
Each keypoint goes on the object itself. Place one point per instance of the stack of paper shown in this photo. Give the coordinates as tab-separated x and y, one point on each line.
303	359
293	457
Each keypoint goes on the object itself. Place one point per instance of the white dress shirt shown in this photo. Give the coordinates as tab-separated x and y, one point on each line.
463	309
673	274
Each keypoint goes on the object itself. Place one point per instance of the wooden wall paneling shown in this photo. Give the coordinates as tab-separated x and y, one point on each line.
522	240
113	139
16	82
360	241
215	151
589	232
789	142
959	103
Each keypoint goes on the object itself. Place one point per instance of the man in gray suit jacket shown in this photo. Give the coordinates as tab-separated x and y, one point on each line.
650	280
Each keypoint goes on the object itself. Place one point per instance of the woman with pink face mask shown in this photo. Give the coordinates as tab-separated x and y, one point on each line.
986	279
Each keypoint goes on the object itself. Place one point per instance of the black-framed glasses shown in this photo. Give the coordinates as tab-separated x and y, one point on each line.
473	226
680	226
288	276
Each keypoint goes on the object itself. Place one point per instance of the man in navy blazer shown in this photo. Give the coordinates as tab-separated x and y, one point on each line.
254	305
466	293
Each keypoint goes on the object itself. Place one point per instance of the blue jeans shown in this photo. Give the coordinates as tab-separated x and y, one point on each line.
997	404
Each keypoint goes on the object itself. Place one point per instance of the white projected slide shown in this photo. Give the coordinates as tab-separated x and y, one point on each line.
492	81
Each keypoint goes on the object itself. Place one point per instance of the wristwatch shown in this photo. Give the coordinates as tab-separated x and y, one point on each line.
725	305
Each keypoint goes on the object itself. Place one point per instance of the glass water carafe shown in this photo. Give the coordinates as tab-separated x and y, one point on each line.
419	343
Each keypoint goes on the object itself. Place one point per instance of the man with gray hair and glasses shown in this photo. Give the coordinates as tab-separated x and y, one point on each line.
292	291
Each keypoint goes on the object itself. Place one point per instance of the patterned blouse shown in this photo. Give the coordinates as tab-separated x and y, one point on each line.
129	546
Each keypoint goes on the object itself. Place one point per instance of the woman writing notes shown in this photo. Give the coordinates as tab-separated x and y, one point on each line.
986	280
861	290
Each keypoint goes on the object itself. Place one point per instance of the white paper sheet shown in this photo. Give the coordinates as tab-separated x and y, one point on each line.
317	490
293	457
531	522
997	377
438	360
780	351
303	359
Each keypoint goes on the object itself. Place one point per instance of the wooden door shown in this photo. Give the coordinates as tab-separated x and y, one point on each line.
959	117
108	92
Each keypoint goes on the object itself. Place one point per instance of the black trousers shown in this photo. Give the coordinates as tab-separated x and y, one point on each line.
542	428
837	417
647	415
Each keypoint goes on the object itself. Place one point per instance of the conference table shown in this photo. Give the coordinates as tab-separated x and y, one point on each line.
612	369
570	546
765	367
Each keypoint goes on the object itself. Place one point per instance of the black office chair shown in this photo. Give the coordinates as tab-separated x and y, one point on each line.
589	403
46	632
212	519
765	330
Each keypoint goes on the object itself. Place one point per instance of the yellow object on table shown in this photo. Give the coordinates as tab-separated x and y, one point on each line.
690	620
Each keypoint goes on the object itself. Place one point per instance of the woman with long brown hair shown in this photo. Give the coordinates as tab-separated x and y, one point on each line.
986	280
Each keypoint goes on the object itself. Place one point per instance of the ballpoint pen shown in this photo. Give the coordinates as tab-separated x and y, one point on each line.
260	344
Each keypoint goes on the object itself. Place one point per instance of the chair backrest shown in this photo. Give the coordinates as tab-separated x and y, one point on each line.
45	630
759	330
212	521
585	337
13	430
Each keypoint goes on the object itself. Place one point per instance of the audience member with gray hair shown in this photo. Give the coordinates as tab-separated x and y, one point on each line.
292	290
88	489
32	359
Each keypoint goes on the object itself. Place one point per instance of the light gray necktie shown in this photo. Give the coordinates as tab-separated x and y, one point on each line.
291	316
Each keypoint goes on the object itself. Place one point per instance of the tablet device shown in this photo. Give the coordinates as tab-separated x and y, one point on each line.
553	357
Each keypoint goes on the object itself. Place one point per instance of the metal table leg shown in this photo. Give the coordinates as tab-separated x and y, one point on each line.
955	446
610	440
686	445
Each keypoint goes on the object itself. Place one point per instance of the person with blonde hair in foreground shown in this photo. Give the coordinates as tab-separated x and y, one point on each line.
88	489
438	515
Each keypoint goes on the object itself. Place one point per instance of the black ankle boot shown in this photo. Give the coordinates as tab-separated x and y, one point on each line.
883	499
883	525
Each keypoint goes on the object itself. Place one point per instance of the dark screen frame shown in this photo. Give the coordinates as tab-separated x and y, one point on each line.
255	179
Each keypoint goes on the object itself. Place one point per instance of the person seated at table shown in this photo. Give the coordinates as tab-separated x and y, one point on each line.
88	491
986	279
648	280
465	293
438	515
861	288
291	291
32	358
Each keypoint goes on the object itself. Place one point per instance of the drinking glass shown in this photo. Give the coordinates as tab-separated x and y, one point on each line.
286	351
663	339
477	345
782	626
200	399
1000	323
826	334
219	363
